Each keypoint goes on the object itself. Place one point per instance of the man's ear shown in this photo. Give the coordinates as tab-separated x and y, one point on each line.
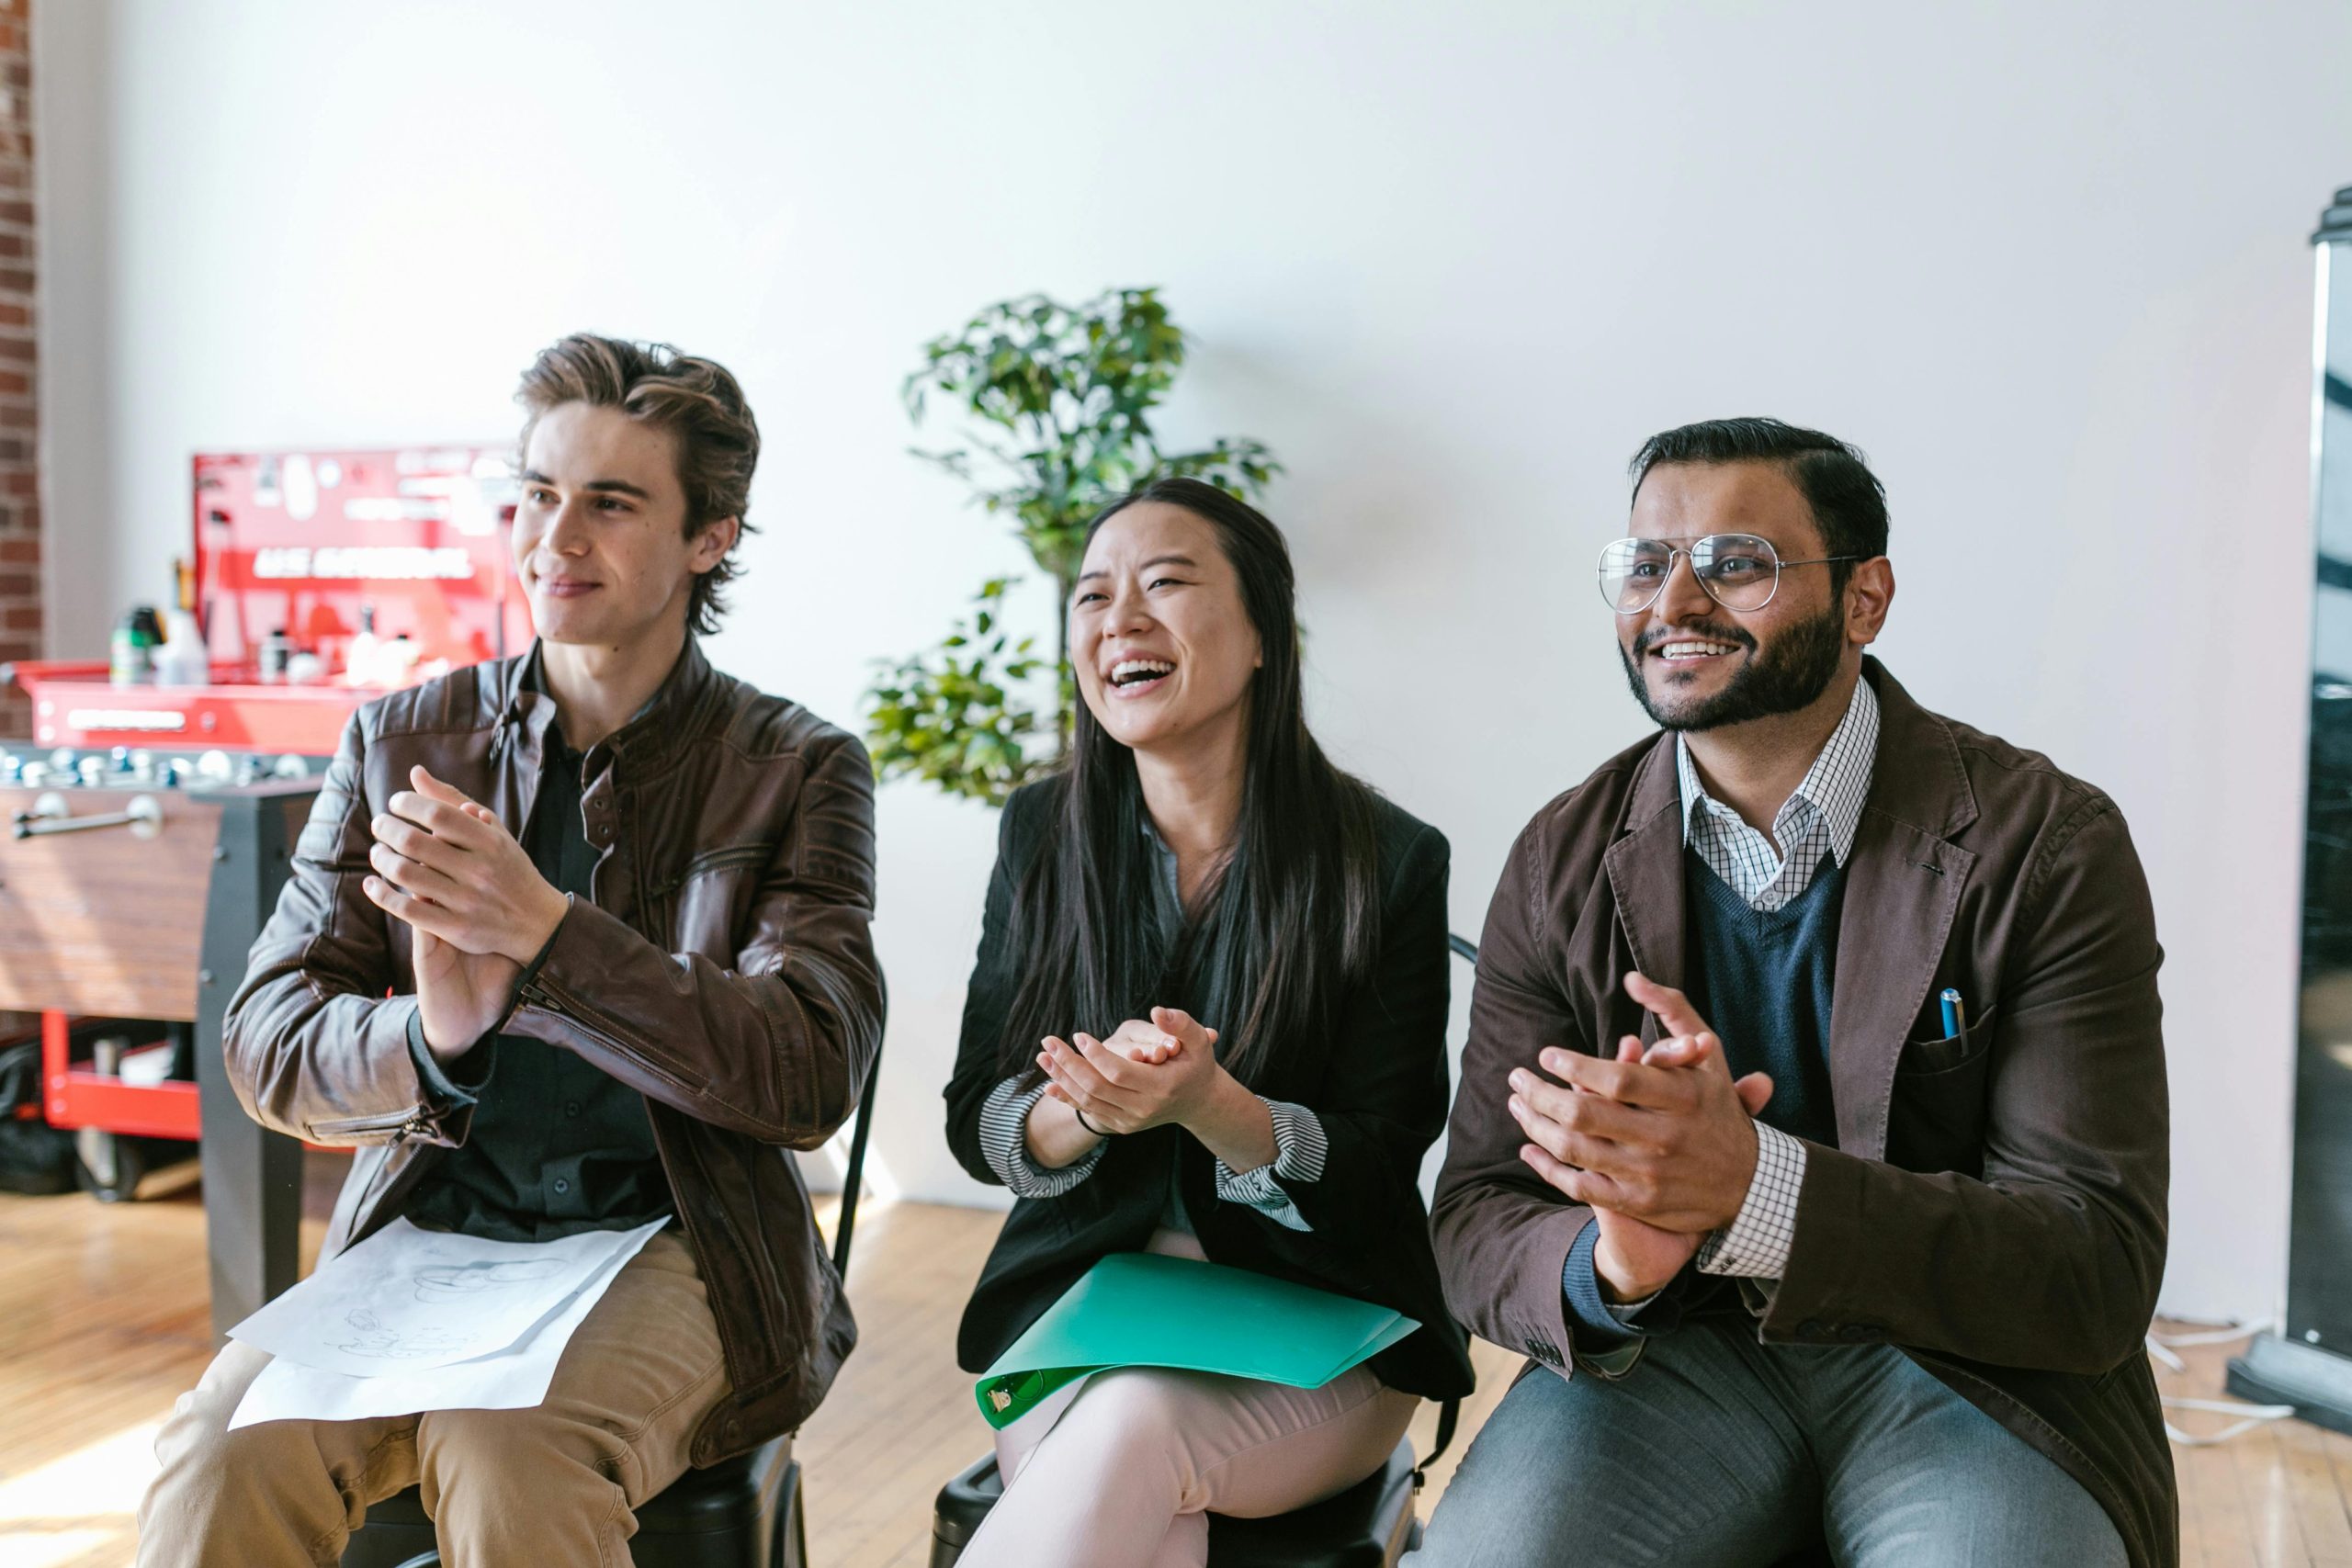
710	547
1870	592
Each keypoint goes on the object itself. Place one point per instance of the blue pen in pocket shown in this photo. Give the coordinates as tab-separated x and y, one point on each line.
1955	1013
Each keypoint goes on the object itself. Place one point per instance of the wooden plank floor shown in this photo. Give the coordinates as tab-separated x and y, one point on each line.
102	1320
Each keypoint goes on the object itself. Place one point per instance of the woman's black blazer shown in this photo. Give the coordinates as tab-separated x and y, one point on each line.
1378	1083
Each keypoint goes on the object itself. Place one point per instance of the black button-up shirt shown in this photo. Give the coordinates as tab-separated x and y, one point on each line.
556	1148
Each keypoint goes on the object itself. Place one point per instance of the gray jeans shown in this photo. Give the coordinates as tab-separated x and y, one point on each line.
1716	1449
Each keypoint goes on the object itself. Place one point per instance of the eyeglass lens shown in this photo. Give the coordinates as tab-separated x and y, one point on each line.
1738	571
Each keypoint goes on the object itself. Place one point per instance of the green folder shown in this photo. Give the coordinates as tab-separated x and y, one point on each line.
1139	1309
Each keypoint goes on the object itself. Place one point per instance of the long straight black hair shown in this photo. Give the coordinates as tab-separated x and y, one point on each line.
1293	916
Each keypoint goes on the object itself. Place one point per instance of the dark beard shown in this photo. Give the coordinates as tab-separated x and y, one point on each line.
1791	672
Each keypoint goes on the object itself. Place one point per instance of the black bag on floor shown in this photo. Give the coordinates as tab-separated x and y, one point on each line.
35	1158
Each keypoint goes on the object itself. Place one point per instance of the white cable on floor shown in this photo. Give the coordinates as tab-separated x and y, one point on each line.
2161	1346
2253	1416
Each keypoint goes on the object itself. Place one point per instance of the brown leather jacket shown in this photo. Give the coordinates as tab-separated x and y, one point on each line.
723	969
1995	1205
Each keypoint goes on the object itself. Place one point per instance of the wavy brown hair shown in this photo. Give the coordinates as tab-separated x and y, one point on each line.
697	402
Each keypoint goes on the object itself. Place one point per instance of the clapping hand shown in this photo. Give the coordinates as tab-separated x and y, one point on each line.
1146	1074
440	861
1660	1144
445	864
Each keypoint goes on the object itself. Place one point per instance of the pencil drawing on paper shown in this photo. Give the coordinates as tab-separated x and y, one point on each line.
457	1281
369	1338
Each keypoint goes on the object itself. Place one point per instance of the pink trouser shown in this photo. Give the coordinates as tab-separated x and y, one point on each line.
1128	1473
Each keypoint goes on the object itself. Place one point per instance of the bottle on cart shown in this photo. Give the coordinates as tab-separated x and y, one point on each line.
359	656
183	660
396	659
132	650
277	650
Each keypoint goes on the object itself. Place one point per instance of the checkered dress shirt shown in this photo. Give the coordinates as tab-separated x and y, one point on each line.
1820	819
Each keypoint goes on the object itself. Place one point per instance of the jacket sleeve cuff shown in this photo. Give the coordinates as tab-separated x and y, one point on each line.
1602	1326
1301	1150
459	1084
1756	1244
1004	1142
1596	1327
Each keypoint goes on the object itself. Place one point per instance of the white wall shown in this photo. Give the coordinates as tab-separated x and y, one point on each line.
2045	263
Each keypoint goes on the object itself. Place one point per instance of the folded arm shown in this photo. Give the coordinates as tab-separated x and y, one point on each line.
777	1047
314	1047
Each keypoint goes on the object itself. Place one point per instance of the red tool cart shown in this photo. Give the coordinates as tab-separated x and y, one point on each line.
150	813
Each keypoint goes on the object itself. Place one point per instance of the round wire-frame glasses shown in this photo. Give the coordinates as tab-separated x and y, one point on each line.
1739	572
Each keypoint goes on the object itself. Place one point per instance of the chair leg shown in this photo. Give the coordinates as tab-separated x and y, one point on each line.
791	1546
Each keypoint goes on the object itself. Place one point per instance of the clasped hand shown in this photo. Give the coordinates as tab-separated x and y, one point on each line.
1660	1144
480	910
1149	1073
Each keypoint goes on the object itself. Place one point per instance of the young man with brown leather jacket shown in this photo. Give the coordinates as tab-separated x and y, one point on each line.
620	902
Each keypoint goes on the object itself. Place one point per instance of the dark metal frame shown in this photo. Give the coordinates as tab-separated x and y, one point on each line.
253	1177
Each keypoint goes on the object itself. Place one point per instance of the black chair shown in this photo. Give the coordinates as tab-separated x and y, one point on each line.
1371	1525
745	1512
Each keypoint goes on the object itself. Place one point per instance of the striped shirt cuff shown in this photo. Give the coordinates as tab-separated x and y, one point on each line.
1756	1244
1300	1148
1004	1142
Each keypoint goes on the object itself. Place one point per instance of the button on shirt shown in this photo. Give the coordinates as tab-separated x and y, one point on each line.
556	1147
1818	821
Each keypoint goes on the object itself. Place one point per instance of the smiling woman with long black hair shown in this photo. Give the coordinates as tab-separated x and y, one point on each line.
1207	1019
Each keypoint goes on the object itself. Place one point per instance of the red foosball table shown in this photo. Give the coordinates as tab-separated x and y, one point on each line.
146	825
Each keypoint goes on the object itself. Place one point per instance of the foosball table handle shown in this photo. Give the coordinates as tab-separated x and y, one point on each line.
50	815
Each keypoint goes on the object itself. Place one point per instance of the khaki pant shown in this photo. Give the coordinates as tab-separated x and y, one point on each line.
557	1484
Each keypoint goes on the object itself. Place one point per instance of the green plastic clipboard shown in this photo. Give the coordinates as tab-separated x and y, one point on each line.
1139	1309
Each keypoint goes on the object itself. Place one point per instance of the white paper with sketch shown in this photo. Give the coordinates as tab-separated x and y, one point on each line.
409	1300
515	1377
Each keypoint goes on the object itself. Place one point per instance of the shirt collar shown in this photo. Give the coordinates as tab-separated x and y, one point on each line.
1836	785
672	690
1167	896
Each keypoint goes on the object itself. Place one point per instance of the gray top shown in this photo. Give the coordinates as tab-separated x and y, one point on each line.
1300	1145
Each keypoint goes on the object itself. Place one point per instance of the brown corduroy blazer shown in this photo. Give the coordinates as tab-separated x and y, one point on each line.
1996	1204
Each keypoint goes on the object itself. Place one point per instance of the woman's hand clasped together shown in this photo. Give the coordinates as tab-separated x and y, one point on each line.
1146	1074
1150	1074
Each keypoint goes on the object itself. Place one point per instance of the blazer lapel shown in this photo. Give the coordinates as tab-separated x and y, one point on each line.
1903	889
1903	882
1645	878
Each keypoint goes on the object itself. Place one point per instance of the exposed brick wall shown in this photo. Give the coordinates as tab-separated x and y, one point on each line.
20	615
20	627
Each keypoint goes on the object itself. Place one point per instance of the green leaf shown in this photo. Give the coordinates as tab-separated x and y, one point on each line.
1073	388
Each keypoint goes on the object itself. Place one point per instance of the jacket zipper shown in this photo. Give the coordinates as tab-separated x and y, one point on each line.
402	1124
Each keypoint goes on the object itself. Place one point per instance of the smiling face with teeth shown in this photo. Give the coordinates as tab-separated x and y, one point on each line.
1695	665
1164	647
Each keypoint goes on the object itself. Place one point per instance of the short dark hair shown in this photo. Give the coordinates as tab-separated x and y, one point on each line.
699	402
1849	504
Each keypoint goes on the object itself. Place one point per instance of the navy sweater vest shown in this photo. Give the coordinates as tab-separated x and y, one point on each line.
1763	982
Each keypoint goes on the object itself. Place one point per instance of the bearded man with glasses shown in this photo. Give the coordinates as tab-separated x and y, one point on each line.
1812	1138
